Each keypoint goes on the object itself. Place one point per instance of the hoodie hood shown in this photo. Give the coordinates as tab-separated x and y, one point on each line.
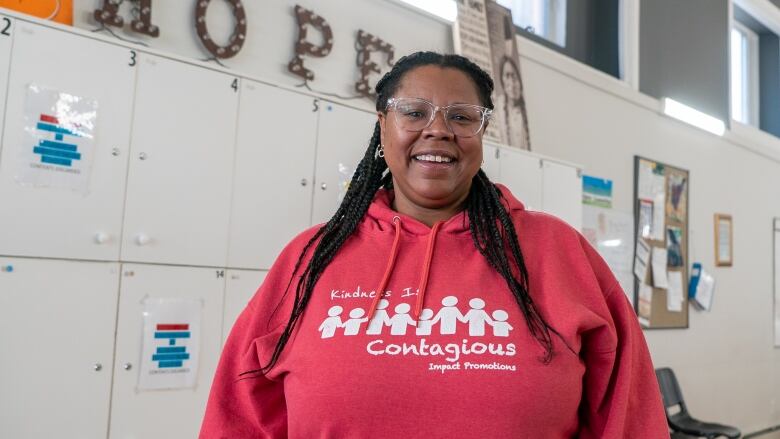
382	218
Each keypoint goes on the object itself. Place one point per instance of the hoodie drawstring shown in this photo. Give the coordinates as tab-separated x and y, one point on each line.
426	271
391	264
388	270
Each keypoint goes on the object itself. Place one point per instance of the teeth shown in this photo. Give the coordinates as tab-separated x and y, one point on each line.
433	158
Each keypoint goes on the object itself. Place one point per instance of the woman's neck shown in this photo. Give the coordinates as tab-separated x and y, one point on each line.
427	216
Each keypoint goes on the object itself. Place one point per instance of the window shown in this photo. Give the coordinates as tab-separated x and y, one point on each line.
544	18
584	30
744	75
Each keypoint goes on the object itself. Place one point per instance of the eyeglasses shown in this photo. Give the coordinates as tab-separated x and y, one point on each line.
415	114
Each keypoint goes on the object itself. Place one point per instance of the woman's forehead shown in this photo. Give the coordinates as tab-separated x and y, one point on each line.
436	83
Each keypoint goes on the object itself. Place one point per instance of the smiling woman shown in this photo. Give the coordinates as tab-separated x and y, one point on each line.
460	267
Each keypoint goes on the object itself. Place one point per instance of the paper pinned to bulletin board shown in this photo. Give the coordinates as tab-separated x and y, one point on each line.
661	224
171	344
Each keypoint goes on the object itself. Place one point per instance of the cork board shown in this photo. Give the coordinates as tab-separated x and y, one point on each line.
661	222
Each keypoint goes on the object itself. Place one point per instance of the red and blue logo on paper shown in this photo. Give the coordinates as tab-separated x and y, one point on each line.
171	355
56	151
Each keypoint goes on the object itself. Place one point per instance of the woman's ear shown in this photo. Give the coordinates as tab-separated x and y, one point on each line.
382	118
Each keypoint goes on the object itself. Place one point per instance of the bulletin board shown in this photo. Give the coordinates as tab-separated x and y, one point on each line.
661	249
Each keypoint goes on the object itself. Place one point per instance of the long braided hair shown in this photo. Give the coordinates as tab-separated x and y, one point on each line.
490	224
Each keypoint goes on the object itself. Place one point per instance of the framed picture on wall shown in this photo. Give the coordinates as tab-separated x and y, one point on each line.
724	246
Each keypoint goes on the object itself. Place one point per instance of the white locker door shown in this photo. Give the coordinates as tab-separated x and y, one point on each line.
562	192
181	162
491	164
57	324
522	174
240	287
7	30
177	413
272	184
342	140
55	221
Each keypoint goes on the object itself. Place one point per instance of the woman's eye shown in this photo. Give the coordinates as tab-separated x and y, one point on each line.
458	117
413	114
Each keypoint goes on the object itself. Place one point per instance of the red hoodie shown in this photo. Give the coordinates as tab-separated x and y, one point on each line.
468	368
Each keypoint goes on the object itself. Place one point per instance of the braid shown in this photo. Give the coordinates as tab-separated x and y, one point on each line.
495	237
491	226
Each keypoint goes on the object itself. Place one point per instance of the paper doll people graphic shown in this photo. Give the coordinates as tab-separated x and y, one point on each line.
401	320
381	318
425	323
352	326
501	327
333	321
476	317
448	316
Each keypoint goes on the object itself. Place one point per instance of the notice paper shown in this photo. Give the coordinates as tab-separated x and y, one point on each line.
645	302
674	294
660	257
704	291
171	343
641	259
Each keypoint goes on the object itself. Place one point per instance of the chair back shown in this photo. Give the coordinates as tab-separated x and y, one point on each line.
670	390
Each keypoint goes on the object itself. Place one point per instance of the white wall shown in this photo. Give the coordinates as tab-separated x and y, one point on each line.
725	362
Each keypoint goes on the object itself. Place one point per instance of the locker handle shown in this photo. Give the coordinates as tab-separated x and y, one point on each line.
102	238
324	186
127	366
97	367
142	239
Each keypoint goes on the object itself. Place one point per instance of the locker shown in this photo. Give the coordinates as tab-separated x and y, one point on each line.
272	181
57	322
491	164
55	221
179	182
240	287
137	413
7	30
522	174
562	192
342	139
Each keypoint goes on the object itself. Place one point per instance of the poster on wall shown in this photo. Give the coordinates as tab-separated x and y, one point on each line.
611	233
471	39
596	191
58	145
508	98
171	344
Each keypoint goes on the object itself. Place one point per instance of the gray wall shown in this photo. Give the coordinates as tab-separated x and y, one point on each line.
684	48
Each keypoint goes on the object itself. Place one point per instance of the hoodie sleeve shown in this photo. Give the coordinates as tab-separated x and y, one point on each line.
253	405
621	397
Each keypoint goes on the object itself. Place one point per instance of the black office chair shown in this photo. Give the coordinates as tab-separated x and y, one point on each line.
682	420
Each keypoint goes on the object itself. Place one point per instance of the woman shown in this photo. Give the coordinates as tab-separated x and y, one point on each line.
475	333
512	103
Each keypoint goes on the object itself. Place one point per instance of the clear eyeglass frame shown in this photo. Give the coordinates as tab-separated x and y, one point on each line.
458	130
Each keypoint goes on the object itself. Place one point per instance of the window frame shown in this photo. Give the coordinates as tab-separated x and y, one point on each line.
750	70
